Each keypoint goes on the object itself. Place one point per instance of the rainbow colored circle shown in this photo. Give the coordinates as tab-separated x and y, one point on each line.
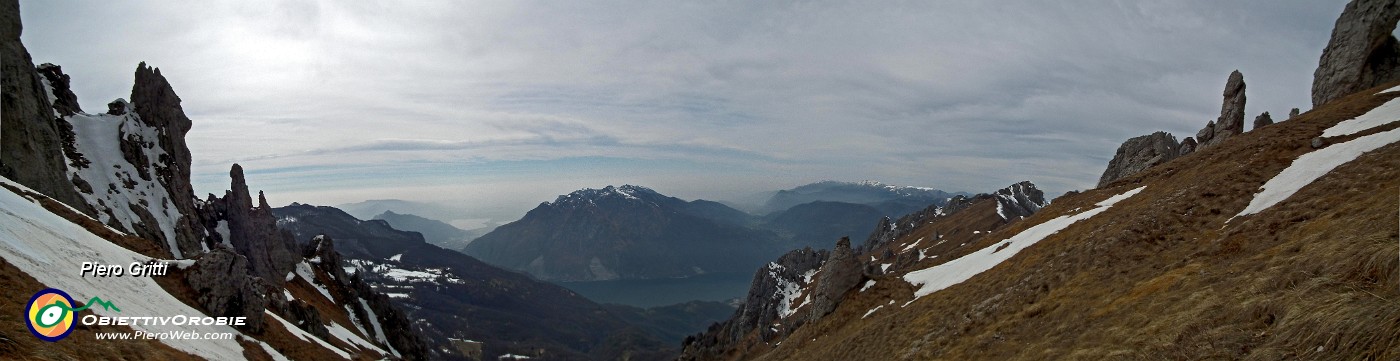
48	315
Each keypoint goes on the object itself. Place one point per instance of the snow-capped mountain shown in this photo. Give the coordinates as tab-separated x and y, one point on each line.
627	232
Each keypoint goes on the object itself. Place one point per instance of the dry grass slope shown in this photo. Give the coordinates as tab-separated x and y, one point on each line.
1167	275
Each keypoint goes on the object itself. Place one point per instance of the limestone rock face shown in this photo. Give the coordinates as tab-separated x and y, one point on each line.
1020	200
763	306
1140	153
1188	146
65	102
1231	120
841	272
322	254
225	288
1361	54
154	99
253	231
1205	134
1263	120
30	137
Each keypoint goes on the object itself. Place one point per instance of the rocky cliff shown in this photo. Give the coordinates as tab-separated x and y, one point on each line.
774	295
1141	153
1016	201
31	131
250	230
1361	53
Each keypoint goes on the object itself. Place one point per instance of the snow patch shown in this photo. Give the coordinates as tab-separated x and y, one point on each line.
40	244
936	278
378	330
1313	165
306	273
911	245
276	356
788	290
117	185
302	334
1385	114
349	337
867	313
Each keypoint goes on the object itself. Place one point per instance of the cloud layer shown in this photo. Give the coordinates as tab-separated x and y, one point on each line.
505	104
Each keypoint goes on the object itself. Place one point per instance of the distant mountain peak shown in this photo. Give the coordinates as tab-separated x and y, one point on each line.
893	199
626	192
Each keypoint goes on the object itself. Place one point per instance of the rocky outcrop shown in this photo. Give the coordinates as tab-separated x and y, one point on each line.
1293	113
220	278
1140	153
1205	134
30	131
320	252
306	317
1231	120
1263	120
154	99
1020	200
840	273
398	330
1187	146
1361	54
60	85
140	183
763	306
358	298
252	231
804	286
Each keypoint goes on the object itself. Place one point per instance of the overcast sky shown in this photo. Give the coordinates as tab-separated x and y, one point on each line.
501	105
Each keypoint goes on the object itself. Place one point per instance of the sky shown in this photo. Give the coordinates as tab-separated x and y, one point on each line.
494	107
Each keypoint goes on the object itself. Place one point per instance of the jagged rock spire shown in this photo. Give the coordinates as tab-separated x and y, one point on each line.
1231	120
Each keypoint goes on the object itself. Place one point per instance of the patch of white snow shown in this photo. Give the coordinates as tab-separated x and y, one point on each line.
1313	165
936	278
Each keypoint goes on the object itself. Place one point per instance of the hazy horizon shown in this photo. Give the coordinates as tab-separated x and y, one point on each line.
496	107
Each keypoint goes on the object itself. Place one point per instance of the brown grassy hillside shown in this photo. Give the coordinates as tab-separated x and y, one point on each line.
1163	275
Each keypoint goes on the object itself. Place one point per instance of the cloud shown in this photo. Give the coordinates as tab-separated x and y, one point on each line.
742	96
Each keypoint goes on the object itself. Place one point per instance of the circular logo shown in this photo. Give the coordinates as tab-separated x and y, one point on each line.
49	315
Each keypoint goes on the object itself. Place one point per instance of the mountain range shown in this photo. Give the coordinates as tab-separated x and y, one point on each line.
455	297
1276	243
891	200
627	232
437	232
